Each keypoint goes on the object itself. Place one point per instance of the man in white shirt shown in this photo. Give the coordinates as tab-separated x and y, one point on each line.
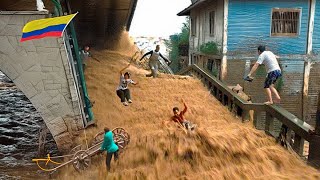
274	72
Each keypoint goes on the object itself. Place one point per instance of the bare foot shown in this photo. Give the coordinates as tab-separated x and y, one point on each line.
268	103
277	101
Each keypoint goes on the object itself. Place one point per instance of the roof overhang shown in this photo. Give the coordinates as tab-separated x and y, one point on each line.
186	11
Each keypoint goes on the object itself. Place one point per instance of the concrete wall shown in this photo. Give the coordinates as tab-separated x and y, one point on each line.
250	23
40	69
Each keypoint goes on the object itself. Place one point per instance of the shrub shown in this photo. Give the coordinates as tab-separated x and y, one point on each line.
209	48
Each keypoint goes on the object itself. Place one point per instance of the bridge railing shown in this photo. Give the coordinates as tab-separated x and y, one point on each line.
272	113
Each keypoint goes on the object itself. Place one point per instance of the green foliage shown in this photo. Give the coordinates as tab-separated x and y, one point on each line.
209	48
215	72
175	41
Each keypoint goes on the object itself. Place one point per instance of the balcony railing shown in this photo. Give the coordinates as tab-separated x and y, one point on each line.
272	113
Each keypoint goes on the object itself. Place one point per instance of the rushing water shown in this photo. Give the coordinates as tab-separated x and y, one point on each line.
19	130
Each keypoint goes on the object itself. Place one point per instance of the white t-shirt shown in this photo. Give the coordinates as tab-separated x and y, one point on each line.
124	83
269	60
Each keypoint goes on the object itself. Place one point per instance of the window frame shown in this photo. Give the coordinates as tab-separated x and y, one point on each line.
286	35
193	26
212	32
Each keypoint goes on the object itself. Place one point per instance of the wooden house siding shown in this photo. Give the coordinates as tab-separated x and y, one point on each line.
314	89
249	25
201	15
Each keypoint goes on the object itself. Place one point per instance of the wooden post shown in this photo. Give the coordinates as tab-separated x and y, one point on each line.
314	152
257	120
289	137
314	146
269	123
229	103
245	115
317	128
305	103
222	99
225	40
298	144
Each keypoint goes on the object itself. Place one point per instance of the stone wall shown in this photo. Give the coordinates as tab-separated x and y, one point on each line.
41	70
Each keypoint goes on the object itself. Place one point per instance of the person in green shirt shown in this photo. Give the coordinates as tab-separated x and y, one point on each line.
110	146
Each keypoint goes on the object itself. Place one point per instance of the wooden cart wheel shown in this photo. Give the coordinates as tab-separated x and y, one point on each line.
81	160
121	141
123	132
76	149
98	138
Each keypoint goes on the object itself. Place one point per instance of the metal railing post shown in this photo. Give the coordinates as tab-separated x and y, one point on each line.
88	105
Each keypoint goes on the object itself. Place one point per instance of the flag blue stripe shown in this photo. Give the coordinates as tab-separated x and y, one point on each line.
54	28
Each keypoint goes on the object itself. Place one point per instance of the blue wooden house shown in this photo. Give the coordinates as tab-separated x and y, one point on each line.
289	28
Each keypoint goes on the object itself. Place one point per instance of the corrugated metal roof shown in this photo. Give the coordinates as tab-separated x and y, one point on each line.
186	11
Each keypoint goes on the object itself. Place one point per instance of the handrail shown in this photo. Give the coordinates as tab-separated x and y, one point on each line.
88	105
228	97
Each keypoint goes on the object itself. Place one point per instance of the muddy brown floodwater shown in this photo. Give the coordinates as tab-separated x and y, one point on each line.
221	148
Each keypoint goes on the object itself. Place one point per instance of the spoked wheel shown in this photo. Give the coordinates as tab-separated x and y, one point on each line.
123	132
121	137
98	138
76	149
120	140
81	160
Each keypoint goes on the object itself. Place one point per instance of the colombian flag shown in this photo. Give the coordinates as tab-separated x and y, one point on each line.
49	27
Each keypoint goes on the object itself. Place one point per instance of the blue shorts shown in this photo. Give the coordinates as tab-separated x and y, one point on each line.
272	78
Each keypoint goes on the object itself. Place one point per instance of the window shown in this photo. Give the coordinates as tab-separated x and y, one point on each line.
193	26
211	22
285	22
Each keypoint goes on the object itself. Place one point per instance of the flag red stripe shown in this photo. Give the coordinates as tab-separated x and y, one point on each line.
48	34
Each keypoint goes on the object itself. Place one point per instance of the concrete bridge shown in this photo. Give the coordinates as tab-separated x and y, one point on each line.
48	70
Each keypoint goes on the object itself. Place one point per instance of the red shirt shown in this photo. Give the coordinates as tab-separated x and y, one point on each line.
180	117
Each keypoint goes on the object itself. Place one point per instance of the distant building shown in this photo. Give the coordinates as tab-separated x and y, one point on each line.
289	28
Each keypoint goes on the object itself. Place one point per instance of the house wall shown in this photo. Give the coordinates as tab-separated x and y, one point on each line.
291	88
316	29
249	25
313	92
203	22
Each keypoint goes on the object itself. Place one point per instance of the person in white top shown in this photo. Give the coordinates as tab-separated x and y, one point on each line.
154	61
274	72
123	91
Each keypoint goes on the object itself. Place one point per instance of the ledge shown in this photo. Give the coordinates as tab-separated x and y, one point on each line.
24	12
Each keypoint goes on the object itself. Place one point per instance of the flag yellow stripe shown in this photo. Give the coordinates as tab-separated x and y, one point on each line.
43	23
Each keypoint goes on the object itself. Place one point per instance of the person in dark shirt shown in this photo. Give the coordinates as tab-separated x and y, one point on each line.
154	61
